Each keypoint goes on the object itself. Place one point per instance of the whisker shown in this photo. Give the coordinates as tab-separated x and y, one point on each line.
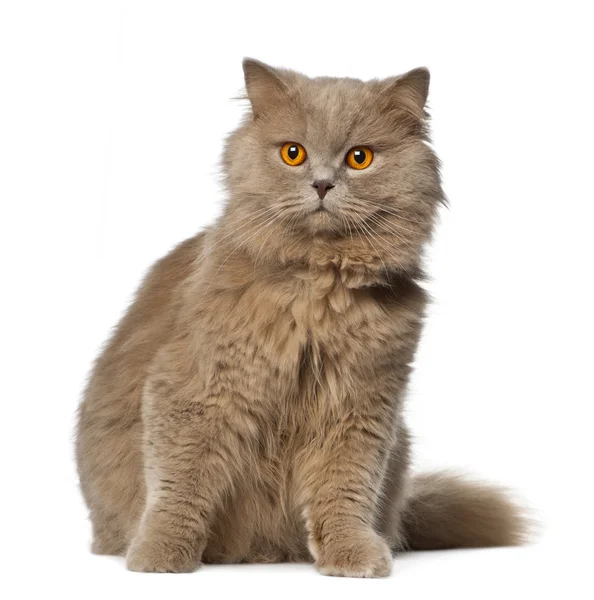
390	210
362	223
261	213
348	224
384	225
280	219
391	255
254	231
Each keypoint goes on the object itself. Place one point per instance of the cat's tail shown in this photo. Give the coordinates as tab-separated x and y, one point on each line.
446	510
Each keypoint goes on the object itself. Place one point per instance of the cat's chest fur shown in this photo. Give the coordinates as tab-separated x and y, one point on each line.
314	332
326	319
335	317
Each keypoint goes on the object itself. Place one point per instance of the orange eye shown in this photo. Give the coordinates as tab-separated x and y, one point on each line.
293	154
359	157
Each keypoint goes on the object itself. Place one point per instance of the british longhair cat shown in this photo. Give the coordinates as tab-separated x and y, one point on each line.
249	406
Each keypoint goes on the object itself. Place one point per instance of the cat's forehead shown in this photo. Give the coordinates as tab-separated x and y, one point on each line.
338	111
331	112
339	97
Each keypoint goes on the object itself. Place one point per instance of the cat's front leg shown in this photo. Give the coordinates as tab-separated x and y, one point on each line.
196	445
342	480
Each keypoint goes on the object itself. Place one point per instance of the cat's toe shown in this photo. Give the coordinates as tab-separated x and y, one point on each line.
367	556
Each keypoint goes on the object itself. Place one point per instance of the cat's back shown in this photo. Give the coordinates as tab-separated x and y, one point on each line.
109	427
147	323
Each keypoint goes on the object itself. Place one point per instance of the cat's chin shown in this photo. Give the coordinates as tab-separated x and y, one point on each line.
323	221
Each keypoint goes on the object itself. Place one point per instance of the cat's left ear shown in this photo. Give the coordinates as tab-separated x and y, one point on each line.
265	89
409	91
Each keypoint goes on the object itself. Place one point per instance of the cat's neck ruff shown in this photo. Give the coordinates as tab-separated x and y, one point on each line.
351	262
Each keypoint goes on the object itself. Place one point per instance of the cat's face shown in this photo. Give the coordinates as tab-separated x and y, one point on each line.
335	158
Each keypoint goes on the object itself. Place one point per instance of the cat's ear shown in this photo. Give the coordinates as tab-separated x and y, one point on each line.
265	88
409	91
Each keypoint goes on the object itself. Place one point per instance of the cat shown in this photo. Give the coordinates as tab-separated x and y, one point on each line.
249	406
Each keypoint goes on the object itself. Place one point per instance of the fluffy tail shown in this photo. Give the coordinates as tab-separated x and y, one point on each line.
451	511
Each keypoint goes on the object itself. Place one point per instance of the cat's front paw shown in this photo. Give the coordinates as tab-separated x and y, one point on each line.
362	555
160	555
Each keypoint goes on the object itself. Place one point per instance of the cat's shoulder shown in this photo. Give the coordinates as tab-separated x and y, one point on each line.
402	291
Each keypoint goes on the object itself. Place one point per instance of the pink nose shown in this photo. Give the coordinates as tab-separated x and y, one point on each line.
322	185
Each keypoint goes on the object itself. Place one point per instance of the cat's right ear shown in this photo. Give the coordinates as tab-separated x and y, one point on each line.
265	89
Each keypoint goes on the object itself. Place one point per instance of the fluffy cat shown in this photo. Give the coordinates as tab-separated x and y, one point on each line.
248	406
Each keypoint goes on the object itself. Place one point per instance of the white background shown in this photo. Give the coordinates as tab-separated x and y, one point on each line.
112	116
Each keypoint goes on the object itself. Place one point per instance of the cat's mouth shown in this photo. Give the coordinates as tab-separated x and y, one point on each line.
322	208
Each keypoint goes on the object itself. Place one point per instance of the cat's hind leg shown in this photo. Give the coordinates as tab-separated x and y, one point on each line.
395	492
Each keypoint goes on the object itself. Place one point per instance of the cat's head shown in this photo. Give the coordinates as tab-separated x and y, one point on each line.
332	162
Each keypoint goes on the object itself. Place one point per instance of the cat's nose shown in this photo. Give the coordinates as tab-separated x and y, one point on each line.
322	185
